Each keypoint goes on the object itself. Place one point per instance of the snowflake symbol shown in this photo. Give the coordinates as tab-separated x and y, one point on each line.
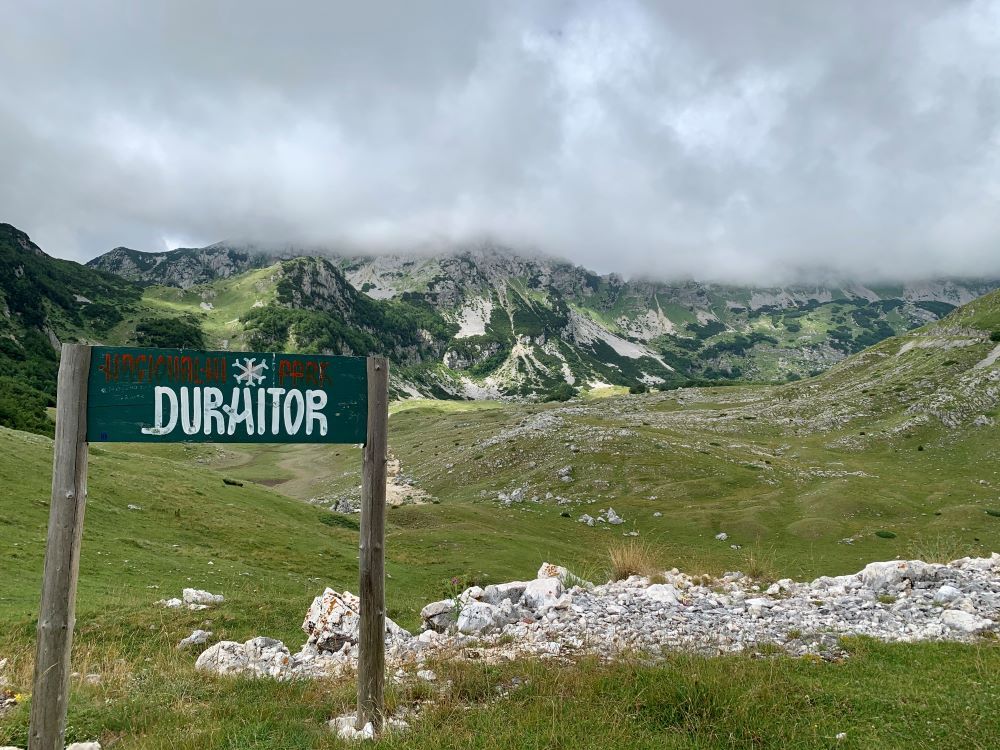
251	374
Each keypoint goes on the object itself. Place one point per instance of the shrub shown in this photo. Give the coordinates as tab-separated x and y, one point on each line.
637	388
993	512
882	534
170	333
23	407
995	336
562	392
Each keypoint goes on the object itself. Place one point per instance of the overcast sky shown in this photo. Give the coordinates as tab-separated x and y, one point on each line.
748	141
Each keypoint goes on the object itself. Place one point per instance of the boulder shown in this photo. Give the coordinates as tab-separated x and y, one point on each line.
478	617
548	570
540	592
613	518
473	593
946	594
965	622
663	593
224	657
258	657
497	593
985	564
892	574
438	616
333	619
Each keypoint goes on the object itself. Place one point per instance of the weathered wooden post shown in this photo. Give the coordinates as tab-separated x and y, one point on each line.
371	586
57	614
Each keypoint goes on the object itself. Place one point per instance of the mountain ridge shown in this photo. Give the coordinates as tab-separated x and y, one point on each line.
187	266
480	322
528	322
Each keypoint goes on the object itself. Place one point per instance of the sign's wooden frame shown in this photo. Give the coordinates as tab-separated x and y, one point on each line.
57	612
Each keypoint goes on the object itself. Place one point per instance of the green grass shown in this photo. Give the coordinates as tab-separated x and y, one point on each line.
789	483
882	696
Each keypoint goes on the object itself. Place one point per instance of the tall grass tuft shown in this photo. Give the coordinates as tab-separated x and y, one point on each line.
758	563
942	548
634	558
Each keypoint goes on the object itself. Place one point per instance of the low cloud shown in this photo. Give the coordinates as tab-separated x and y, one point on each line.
764	141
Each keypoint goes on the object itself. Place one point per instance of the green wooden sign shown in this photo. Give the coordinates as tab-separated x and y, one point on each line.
179	395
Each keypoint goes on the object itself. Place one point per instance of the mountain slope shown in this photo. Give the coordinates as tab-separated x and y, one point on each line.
43	301
528	324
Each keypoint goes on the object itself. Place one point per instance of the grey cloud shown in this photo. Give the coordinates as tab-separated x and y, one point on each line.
756	141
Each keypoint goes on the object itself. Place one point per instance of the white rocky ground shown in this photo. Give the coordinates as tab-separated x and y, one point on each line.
556	615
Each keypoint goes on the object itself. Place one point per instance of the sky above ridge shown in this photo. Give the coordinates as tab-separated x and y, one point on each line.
763	141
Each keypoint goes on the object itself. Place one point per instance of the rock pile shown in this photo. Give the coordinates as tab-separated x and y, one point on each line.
898	600
332	647
891	601
606	516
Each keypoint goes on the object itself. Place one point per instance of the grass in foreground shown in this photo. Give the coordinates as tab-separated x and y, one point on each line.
883	696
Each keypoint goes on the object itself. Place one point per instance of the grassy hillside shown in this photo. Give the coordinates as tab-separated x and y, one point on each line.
800	476
44	300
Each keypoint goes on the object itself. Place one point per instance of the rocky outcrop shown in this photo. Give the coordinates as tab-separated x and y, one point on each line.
897	600
331	624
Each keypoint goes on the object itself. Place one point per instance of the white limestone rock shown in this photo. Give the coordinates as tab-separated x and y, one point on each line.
346	728
196	638
947	594
966	622
197	596
258	657
476	618
663	593
439	616
894	574
497	593
548	570
333	619
540	592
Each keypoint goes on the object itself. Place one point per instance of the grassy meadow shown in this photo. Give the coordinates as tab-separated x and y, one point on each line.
800	477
